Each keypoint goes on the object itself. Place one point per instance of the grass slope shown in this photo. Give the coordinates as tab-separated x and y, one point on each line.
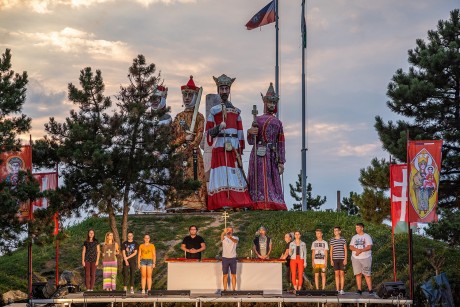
167	232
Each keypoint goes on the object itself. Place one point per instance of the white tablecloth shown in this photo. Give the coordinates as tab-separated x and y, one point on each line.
206	277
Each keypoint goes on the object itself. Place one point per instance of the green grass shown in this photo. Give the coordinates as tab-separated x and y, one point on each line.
164	229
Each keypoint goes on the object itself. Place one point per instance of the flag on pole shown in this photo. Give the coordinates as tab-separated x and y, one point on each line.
263	17
304	30
399	198
13	162
425	169
47	181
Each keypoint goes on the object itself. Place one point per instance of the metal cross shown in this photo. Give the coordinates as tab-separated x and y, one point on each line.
225	215
109	252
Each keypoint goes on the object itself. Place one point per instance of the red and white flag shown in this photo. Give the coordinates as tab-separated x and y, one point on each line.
399	198
47	181
425	169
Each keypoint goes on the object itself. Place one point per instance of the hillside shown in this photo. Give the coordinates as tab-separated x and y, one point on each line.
167	232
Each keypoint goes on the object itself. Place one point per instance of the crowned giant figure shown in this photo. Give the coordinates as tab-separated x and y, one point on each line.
188	129
224	132
267	159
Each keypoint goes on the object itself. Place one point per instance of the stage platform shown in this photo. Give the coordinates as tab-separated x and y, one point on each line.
199	299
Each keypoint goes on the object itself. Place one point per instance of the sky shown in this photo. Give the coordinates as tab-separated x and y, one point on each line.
354	47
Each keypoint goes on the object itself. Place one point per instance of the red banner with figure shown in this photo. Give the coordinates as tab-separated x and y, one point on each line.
12	163
399	198
47	181
425	169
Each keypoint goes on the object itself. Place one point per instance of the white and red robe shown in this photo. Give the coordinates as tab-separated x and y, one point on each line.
227	186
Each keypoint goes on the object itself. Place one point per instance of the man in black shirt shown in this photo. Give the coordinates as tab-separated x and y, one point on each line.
193	244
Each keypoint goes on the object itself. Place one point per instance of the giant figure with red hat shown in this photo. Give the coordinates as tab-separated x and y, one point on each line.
224	132
188	128
267	159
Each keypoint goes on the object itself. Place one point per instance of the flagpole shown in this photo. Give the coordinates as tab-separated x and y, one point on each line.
57	239
304	149
277	68
409	241
392	230
30	237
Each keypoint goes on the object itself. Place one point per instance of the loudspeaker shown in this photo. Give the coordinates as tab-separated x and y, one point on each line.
392	289
169	292
104	293
37	290
316	293
242	293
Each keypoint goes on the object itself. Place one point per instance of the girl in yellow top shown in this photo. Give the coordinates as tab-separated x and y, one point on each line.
146	263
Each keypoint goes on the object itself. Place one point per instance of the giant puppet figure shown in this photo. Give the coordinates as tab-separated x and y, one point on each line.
224	132
267	159
188	128
158	104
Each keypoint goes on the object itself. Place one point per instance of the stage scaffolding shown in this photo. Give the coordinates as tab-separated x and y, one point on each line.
198	300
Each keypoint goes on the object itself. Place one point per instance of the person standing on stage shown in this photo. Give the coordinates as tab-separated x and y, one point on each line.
298	254
189	142
339	255
193	244
266	163
110	250
229	243
288	239
224	132
129	253
319	249
90	259
146	261
361	258
262	244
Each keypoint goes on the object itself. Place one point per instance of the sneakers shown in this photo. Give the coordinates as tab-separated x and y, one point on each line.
143	291
372	293
341	292
132	291
359	292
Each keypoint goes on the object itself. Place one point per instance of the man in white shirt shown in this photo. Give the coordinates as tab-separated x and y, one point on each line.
229	243
361	257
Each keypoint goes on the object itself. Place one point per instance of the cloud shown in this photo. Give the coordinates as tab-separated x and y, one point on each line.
350	150
70	40
48	6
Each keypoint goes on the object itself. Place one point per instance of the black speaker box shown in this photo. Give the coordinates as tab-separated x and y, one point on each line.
316	293
392	289
169	292
104	293
37	289
242	293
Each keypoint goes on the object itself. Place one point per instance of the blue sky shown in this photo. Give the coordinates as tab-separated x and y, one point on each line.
354	48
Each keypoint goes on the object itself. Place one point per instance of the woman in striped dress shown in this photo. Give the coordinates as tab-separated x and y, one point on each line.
110	251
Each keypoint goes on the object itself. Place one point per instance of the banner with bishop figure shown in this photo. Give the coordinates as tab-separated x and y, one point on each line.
425	169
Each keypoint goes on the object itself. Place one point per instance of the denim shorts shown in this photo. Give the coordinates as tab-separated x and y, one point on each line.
146	262
228	263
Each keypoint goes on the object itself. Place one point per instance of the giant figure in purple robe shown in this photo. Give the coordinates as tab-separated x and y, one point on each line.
266	163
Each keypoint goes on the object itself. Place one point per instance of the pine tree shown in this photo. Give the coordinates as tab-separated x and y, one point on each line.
428	95
349	205
149	169
12	124
313	203
115	156
373	204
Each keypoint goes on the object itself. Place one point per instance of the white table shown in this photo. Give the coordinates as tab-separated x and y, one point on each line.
206	276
